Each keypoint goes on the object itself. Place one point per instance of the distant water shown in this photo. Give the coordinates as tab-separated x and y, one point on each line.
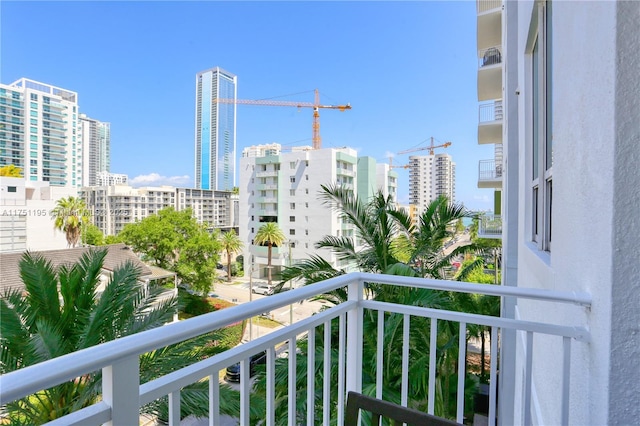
466	221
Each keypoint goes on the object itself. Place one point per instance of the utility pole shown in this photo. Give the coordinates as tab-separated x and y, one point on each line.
290	287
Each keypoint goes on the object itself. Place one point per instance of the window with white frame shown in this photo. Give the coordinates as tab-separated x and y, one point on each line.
541	102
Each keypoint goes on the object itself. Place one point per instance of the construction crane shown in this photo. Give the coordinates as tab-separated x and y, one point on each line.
430	147
317	140
392	166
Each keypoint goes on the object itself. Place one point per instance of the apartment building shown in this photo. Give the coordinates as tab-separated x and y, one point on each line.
215	130
95	137
39	132
113	207
563	104
374	177
431	176
283	187
26	219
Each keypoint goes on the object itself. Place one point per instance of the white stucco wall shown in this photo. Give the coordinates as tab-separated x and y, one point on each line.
584	66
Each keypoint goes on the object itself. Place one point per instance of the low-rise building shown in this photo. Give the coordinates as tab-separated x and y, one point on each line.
26	219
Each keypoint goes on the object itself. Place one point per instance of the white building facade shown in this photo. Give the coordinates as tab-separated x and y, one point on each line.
95	137
39	132
569	184
284	189
26	218
429	177
113	207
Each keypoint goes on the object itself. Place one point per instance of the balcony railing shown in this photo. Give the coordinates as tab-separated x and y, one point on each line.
490	226
490	111
486	5
123	394
489	174
490	56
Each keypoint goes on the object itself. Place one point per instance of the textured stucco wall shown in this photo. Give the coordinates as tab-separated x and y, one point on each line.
584	205
624	374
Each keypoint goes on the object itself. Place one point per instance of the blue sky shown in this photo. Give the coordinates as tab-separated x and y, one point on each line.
407	68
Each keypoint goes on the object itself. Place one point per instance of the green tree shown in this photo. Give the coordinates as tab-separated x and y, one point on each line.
70	215
61	313
10	170
197	258
175	240
112	239
92	235
269	234
231	243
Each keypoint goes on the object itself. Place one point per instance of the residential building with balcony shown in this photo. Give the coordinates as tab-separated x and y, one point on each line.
215	130
113	207
431	176
40	132
564	350
95	138
490	111
283	187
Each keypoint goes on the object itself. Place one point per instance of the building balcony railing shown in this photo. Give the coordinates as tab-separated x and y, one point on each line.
490	73
489	174
483	6
332	366
266	186
490	120
267	173
490	226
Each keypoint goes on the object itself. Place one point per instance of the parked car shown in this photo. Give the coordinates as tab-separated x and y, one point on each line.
233	371
266	290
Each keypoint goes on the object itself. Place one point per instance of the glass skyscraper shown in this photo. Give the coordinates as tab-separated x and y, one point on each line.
215	130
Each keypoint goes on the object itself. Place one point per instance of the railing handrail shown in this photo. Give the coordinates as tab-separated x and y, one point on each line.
573	297
21	383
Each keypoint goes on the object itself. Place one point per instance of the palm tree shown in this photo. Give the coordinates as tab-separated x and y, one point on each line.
389	243
231	243
70	215
60	313
269	234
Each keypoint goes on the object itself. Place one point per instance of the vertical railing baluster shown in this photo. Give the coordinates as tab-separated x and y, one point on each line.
380	355
292	381
566	378
404	391
462	371
214	399
341	368
433	348
493	376
174	408
354	335
121	390
326	388
527	381
311	375
271	386
245	380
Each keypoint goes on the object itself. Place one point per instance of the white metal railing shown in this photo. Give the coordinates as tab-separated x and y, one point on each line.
122	394
486	5
490	226
490	56
490	111
489	170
